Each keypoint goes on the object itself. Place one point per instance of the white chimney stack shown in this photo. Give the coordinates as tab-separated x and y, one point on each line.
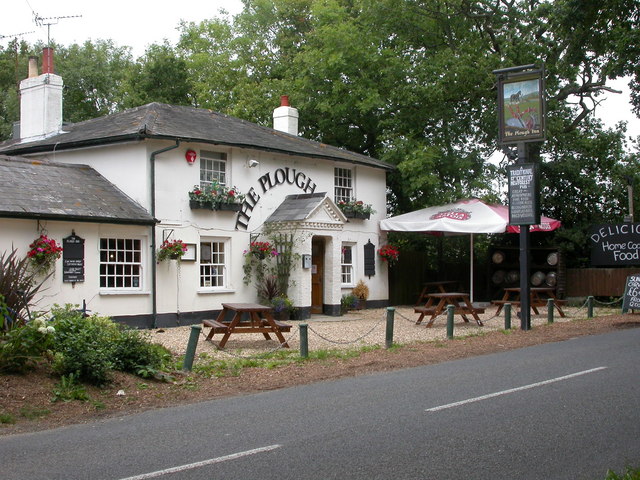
41	100
285	117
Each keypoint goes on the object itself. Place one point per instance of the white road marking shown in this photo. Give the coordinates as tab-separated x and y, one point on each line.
512	390
211	461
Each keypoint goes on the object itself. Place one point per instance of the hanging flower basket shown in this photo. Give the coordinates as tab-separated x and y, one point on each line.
43	252
389	253
171	250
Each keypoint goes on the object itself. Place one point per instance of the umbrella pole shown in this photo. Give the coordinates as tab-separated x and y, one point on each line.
471	257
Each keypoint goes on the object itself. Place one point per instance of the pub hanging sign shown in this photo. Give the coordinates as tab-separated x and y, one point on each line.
73	259
521	105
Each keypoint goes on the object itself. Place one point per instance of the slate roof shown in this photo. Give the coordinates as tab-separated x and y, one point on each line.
56	191
297	207
162	121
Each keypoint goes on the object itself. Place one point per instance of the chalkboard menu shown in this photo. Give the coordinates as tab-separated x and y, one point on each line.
523	194
631	300
615	244
73	259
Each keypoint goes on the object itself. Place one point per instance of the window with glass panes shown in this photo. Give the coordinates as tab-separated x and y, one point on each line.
347	264
213	167
343	184
213	263
120	263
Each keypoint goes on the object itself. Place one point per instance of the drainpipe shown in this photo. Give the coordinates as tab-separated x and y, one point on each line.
154	266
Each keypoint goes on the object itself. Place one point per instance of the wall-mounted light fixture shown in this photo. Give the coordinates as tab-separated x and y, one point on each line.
253	163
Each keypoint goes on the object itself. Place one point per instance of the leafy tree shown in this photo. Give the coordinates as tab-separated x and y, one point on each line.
161	75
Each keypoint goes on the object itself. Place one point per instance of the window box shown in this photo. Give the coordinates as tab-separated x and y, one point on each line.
360	215
232	207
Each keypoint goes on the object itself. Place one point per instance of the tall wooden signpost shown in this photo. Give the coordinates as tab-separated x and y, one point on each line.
521	121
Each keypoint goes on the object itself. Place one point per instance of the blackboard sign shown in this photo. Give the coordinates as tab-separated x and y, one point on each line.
615	244
523	194
73	259
369	259
631	300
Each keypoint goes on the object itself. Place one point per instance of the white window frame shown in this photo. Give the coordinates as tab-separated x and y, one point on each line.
206	268
213	166
121	258
347	270
343	184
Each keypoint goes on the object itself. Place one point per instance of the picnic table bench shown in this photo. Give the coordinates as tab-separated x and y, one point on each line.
461	306
258	319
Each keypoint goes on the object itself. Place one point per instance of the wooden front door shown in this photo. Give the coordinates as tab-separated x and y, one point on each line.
317	274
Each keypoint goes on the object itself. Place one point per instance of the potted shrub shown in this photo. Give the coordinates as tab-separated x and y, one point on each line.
282	307
361	292
215	196
171	250
347	302
356	209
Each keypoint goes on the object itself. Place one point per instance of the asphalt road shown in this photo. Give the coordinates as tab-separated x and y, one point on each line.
567	410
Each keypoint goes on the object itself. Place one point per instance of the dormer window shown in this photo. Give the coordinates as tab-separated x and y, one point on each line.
213	168
343	184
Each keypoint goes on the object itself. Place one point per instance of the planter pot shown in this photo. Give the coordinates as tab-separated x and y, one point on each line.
282	315
194	205
359	215
361	303
230	207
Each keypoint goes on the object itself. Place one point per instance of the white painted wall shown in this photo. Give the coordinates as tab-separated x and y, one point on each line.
128	167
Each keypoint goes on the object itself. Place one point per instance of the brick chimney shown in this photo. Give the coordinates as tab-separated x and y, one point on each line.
285	117
40	100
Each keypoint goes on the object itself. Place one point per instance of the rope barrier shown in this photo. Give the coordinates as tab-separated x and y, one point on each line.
337	342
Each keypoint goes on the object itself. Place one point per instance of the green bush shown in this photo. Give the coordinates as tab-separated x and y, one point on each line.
24	345
90	348
83	347
133	350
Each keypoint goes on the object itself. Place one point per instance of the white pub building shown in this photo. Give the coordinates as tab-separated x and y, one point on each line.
111	190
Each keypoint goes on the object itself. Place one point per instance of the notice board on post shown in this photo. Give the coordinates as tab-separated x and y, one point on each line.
631	299
524	205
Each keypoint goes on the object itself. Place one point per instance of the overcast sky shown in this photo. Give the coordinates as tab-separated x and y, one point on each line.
138	24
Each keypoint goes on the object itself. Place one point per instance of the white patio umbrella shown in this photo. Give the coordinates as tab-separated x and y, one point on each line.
462	217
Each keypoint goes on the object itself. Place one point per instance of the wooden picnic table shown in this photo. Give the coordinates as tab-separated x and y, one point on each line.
437	304
430	287
538	297
257	319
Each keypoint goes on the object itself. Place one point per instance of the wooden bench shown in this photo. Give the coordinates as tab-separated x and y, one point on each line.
216	327
459	310
283	327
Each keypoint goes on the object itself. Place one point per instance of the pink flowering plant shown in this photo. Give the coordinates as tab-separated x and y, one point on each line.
354	206
258	257
171	249
215	194
43	252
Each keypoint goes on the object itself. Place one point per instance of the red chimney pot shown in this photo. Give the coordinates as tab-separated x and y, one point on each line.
47	60
284	101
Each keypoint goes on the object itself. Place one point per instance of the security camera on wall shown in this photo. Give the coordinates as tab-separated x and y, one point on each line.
253	163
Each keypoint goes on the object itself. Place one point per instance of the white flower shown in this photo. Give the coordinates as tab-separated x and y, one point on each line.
42	330
50	329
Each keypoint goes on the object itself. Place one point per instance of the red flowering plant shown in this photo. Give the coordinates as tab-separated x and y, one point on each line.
214	194
389	253
43	252
173	250
261	250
